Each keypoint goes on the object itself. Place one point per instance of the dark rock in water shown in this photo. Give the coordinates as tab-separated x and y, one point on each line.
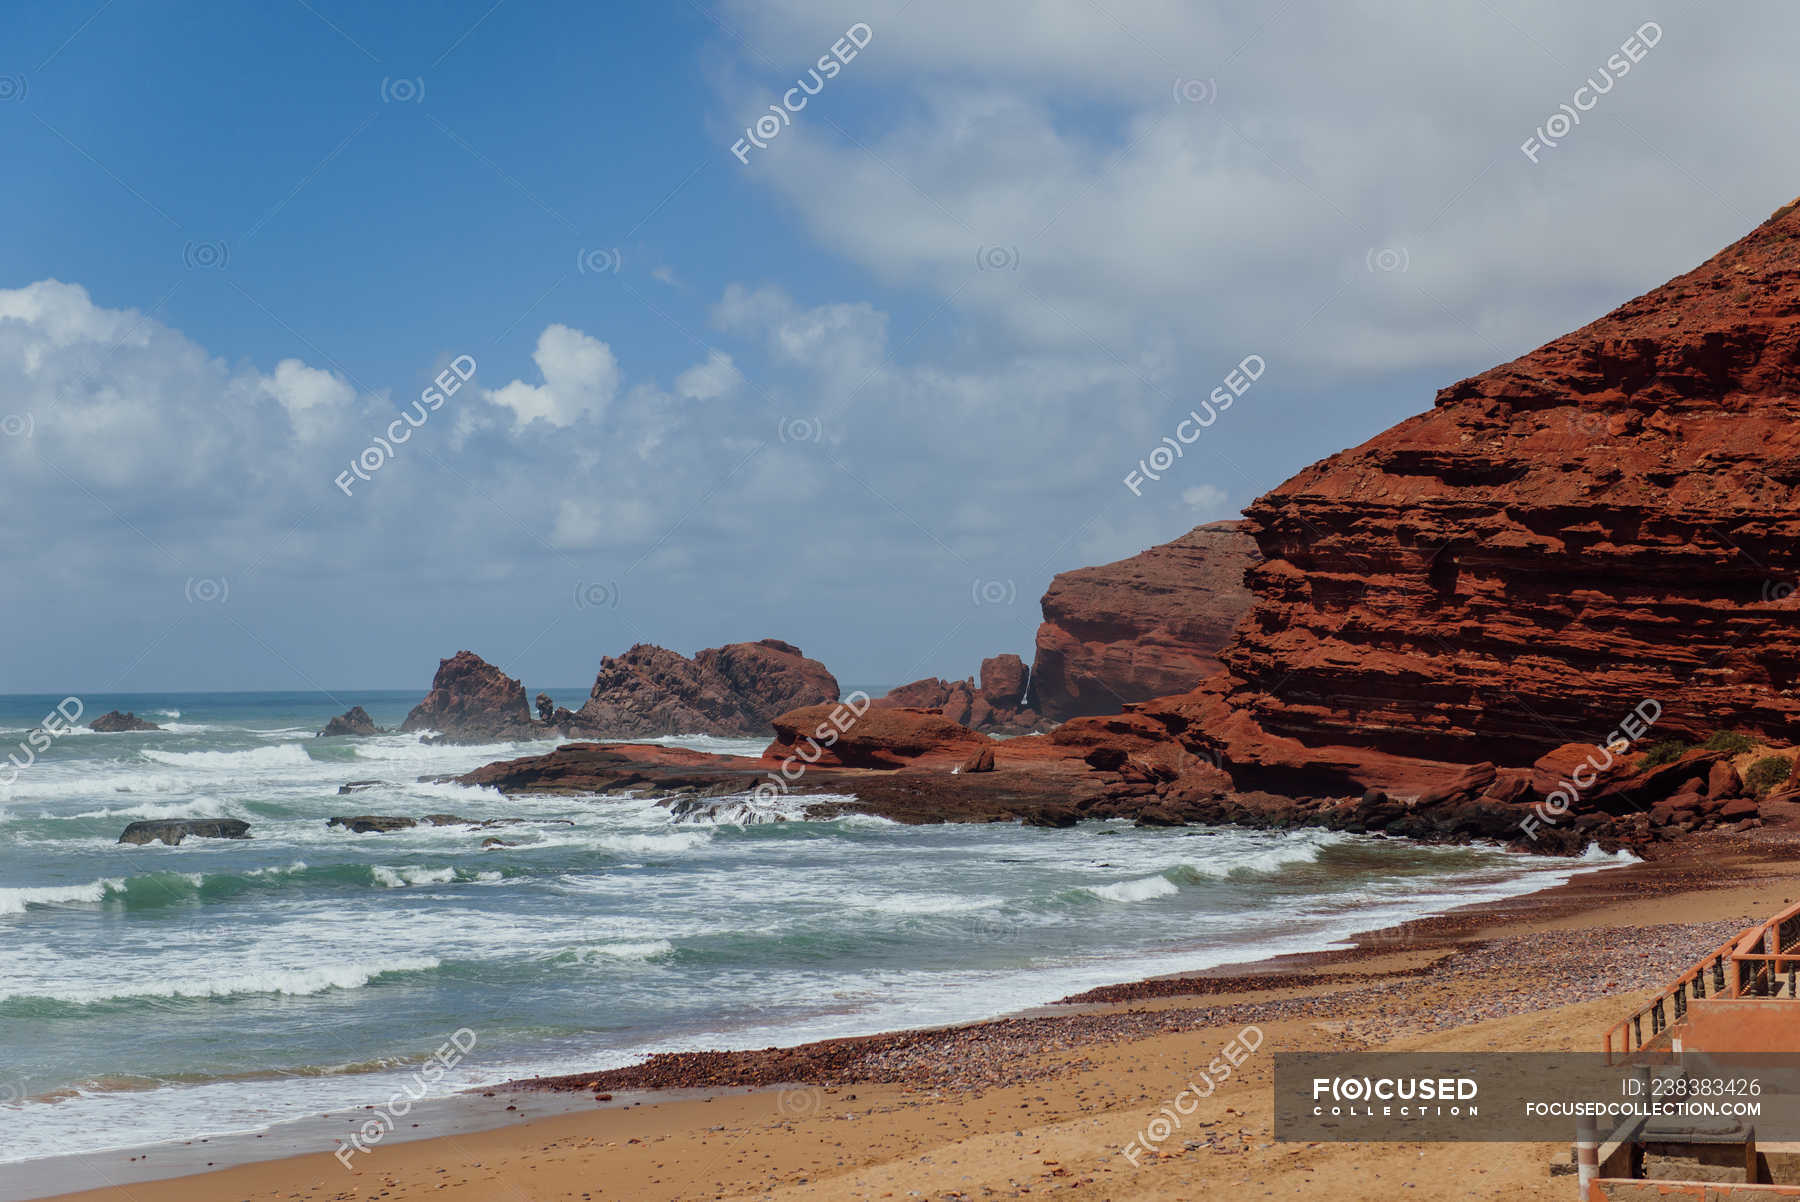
546	708
116	723
173	831
724	813
1158	816
357	786
1054	816
381	824
365	824
354	721
492	842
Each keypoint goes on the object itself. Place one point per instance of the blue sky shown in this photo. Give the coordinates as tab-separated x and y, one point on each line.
866	391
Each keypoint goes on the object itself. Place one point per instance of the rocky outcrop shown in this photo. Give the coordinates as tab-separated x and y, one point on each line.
387	824
731	690
997	705
878	738
471	701
117	723
353	721
981	761
372	824
173	831
1143	627
1611	518
913	766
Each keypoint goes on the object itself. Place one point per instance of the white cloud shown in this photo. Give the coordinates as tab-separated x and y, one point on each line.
621	520
316	401
708	381
1050	132
581	378
845	337
1206	499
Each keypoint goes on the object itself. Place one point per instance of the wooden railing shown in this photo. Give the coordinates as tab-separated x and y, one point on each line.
1761	961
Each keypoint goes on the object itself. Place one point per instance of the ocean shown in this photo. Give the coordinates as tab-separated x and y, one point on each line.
154	994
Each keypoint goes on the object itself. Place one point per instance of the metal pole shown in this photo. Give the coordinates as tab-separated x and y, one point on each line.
1587	1154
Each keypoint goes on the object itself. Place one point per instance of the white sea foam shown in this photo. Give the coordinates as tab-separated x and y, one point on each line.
919	903
624	844
281	755
399	878
1146	889
15	901
177	809
276	870
294	982
646	949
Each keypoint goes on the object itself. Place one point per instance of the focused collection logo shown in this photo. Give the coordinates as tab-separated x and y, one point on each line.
1395	1097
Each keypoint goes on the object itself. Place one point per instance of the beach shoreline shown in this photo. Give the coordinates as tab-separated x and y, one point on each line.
799	1084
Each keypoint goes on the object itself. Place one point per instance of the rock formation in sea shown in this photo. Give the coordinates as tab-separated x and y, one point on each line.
172	831
1558	609
996	704
353	721
116	723
1611	518
731	690
471	701
1143	627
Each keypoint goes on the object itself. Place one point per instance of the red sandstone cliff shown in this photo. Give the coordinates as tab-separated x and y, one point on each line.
1143	627
1612	517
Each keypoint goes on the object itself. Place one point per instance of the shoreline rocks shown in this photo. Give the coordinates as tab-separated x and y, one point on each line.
999	704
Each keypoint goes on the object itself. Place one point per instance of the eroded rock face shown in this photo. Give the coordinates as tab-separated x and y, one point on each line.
1611	518
997	705
471	701
736	689
117	723
1143	627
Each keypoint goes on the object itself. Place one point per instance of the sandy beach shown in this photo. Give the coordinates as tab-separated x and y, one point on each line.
1046	1102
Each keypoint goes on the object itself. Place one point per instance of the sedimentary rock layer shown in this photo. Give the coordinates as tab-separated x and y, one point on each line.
1143	627
1612	517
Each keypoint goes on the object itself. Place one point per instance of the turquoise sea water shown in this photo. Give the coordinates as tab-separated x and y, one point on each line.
158	993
